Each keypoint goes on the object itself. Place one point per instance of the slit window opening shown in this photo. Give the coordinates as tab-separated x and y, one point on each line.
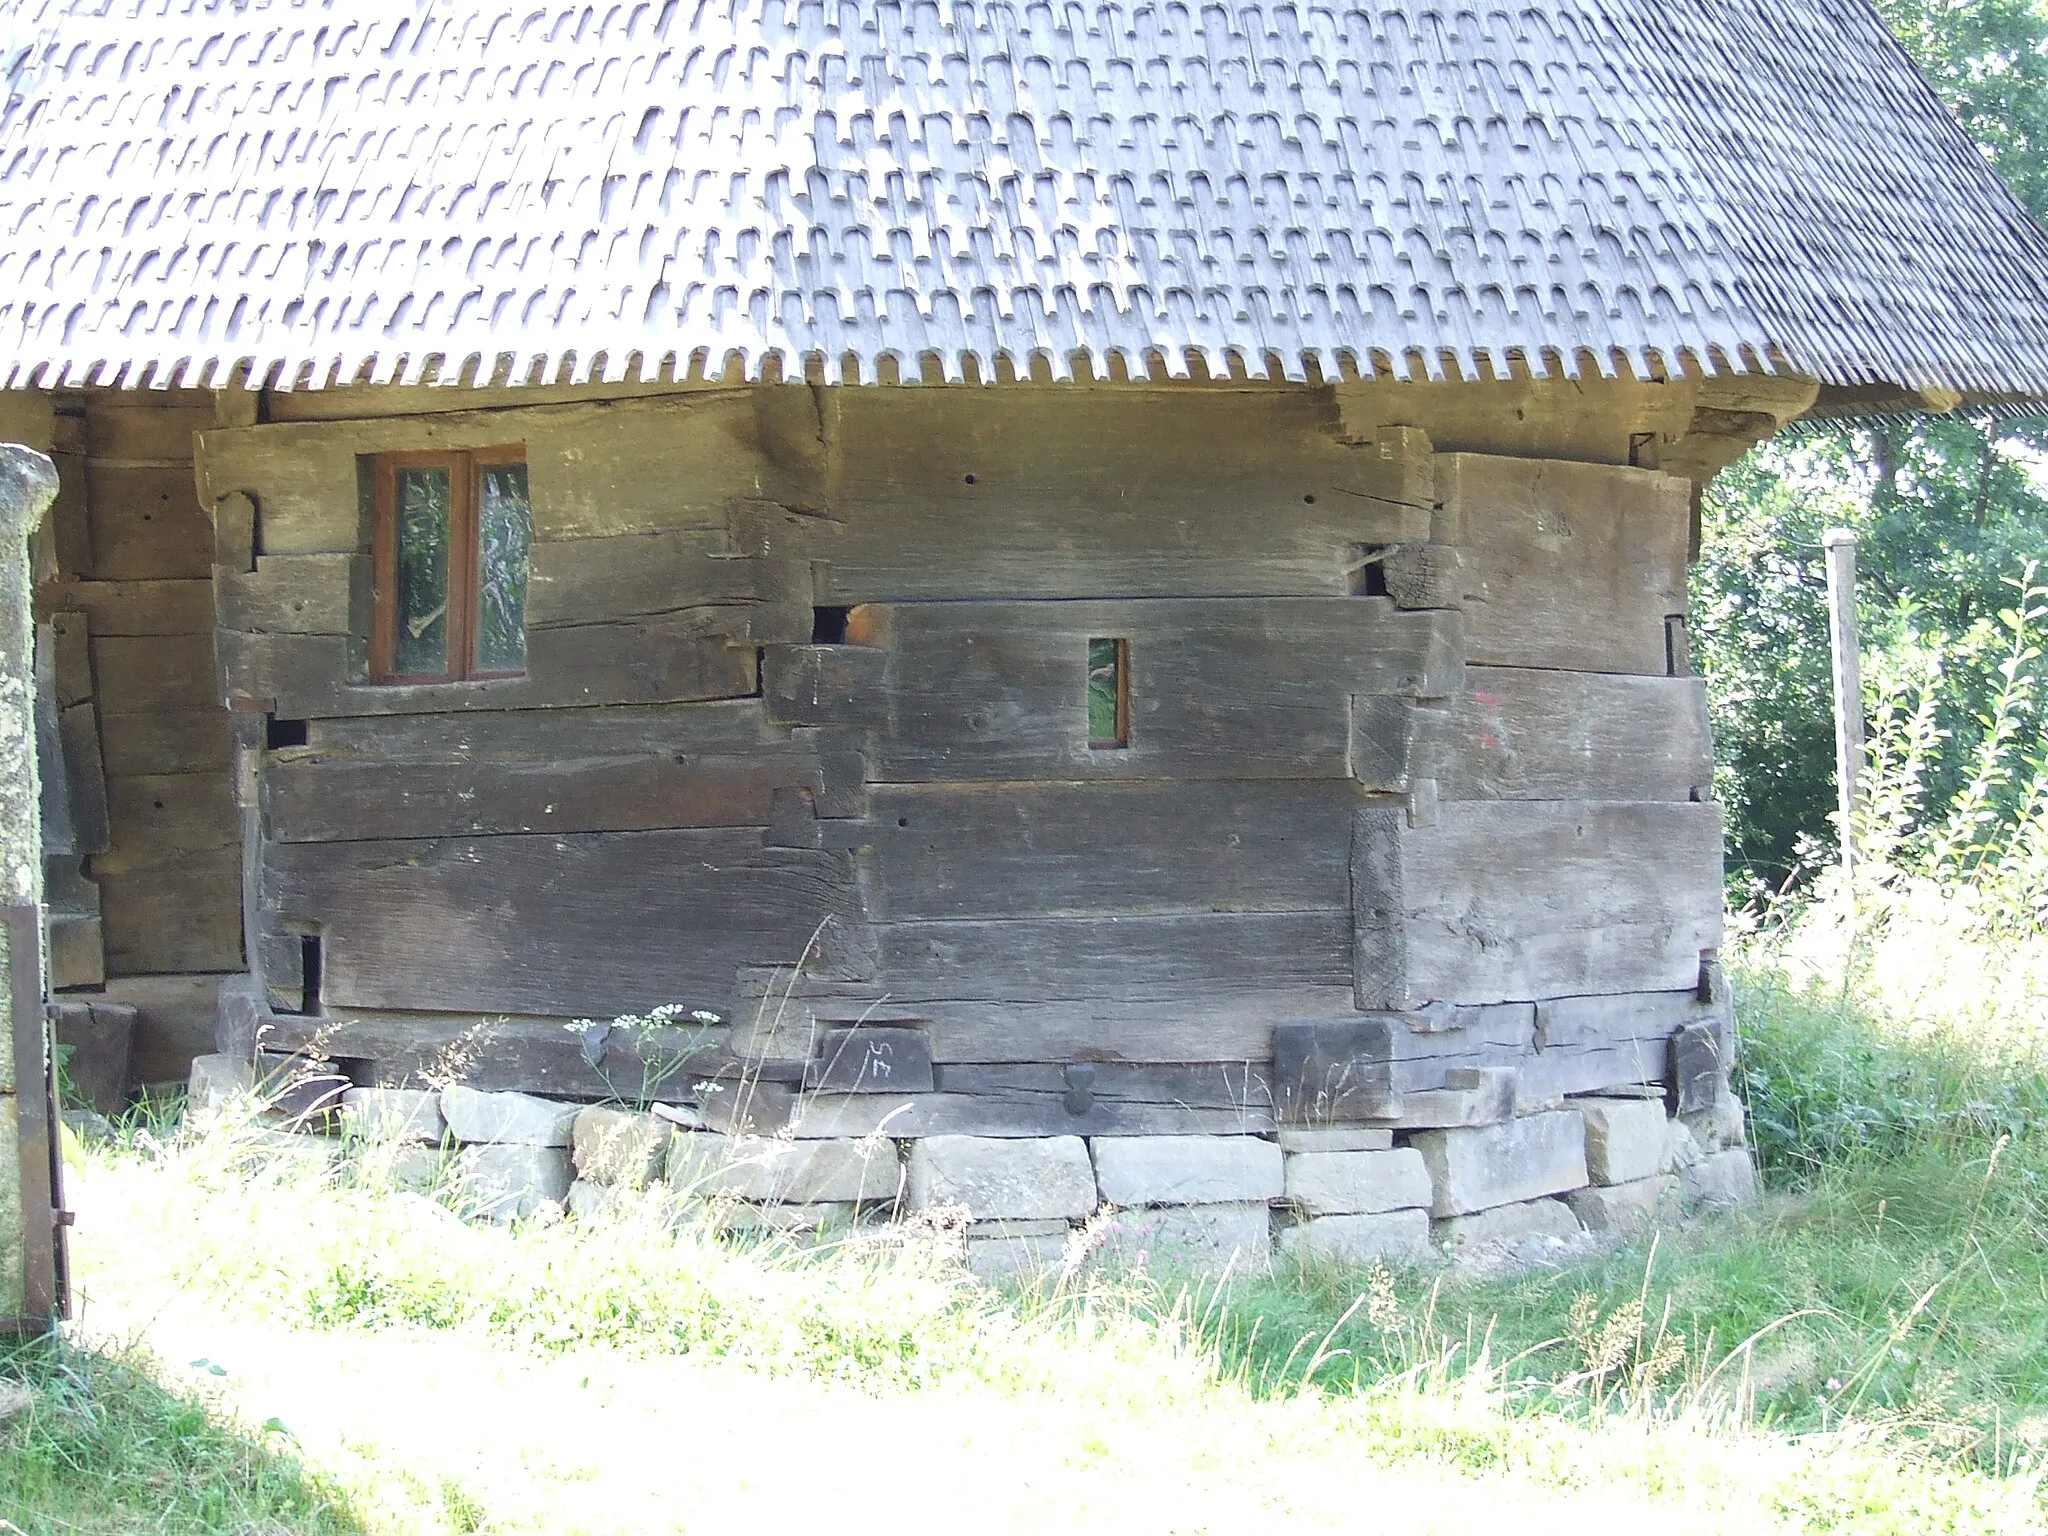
1369	570
311	960
1109	694
284	733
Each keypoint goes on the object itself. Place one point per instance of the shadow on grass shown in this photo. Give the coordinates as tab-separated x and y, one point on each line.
104	1450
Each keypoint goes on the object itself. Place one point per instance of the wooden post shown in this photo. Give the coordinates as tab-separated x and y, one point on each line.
1840	544
29	1288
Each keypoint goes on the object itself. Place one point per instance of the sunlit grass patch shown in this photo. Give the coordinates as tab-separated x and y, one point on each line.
1743	1373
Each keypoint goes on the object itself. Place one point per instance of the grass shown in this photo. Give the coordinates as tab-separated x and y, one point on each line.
105	1448
1863	1352
1899	1274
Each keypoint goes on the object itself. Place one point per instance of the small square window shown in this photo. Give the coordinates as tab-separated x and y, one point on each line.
451	545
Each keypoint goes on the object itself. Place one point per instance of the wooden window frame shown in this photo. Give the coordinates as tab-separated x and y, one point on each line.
466	468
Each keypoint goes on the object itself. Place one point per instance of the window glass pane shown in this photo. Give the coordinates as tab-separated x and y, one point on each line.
422	648
504	535
1106	724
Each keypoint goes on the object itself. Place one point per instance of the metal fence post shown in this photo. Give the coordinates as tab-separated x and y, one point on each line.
1844	647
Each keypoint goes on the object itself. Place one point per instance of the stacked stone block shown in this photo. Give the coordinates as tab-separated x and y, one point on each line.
772	1182
1500	1183
1629	1153
515	1159
1198	1202
618	1154
1608	1164
1019	1199
1354	1195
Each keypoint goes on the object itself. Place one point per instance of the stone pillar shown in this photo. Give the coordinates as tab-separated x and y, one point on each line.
28	484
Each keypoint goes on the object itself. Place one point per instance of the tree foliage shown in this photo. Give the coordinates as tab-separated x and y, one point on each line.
1948	510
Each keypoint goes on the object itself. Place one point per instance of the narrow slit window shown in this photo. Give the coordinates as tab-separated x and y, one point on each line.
1109	694
310	961
451	546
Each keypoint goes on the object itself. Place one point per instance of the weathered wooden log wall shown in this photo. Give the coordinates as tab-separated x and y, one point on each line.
143	871
1415	757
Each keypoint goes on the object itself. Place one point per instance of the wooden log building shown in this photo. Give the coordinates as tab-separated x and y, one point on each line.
1132	555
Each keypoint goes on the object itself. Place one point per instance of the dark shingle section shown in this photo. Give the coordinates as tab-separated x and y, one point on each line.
348	190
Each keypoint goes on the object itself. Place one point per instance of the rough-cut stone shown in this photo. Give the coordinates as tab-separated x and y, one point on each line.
1334	1138
1394	1237
822	1218
14	1399
1726	1178
613	1201
1681	1147
696	1161
687	1116
1469	1096
1353	1183
617	1146
996	1177
1186	1170
1015	1258
507	1119
417	1169
1733	1120
1039	1227
1474	1168
1720	1126
771	1171
392	1114
1236	1236
218	1080
100	1037
1625	1208
1508	1223
299	1090
88	1125
509	1181
1624	1138
587	1200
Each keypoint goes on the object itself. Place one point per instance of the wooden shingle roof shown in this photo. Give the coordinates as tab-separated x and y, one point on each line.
397	189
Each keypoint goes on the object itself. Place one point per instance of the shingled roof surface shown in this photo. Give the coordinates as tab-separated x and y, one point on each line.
371	189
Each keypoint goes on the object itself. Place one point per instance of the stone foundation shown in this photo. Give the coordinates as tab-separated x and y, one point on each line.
1610	1164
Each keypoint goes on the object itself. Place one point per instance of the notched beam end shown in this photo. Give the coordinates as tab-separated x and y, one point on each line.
1327	1070
1425	576
1382	741
823	684
234	533
872	1059
1470	1096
